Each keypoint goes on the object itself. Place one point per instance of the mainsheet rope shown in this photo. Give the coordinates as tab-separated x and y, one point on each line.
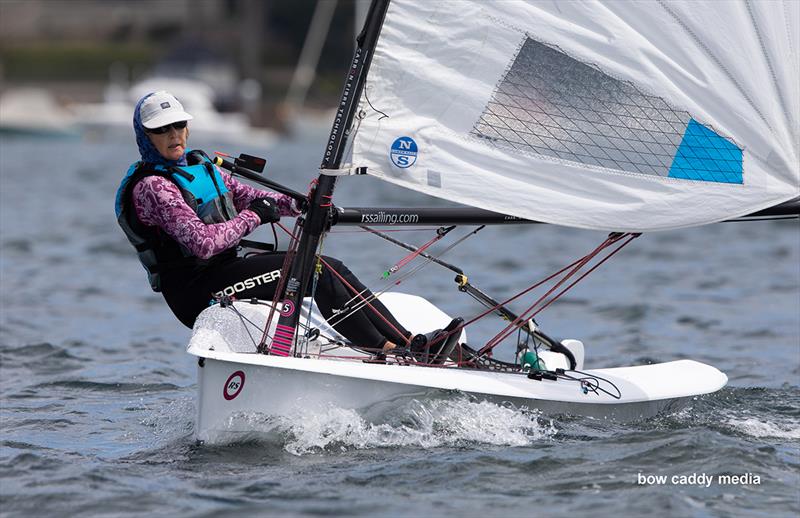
531	312
502	335
413	255
516	324
525	316
399	280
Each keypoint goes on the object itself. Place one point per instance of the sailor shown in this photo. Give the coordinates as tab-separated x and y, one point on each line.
185	218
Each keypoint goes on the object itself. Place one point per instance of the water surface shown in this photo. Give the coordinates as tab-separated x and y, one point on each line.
97	393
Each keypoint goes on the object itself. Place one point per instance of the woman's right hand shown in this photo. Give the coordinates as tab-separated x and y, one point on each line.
266	209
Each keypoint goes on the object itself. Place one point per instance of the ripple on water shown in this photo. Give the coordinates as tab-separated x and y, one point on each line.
755	413
19	246
95	386
626	313
698	323
43	359
22	462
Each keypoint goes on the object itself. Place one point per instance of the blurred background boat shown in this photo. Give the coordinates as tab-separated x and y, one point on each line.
34	112
249	70
114	116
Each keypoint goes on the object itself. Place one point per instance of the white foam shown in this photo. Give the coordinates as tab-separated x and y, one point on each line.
757	428
426	424
171	420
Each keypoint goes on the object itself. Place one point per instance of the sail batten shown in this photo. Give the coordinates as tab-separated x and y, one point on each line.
615	116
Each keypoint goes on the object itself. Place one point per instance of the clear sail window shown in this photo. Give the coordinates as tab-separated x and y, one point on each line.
553	105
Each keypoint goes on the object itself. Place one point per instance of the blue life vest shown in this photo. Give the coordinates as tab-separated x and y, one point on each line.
204	191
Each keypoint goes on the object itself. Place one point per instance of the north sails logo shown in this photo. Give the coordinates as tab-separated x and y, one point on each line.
403	152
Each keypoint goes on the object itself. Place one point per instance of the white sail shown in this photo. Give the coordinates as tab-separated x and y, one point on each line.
612	115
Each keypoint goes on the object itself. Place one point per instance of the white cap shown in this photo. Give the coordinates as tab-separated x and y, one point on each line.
160	109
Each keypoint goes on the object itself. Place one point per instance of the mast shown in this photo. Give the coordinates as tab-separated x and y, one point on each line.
318	216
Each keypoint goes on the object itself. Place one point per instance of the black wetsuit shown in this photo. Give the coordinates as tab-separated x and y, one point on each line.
188	291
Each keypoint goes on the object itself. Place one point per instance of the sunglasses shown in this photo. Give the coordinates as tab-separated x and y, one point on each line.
163	129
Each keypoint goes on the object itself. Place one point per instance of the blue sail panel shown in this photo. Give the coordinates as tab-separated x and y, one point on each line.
706	156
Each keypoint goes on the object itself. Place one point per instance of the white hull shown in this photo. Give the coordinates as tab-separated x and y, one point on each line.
274	386
236	389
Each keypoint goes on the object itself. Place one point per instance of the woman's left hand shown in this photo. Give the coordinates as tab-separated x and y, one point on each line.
266	209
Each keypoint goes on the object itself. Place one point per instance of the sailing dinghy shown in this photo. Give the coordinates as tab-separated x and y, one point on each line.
622	117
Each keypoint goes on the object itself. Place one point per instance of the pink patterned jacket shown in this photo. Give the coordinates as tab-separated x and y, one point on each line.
158	202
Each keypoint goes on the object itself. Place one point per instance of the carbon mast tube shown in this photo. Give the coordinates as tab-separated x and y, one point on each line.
318	216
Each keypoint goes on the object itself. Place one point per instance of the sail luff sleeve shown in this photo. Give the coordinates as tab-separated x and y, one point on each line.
354	85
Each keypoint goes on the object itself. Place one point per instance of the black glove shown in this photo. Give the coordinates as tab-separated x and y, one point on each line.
267	210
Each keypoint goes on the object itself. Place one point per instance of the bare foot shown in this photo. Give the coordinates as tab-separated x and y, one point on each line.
388	346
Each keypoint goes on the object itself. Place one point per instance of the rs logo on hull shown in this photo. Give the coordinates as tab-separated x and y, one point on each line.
233	387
